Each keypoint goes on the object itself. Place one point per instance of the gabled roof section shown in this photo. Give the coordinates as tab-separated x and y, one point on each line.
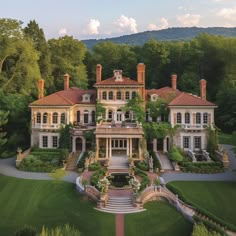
67	97
114	81
166	93
187	99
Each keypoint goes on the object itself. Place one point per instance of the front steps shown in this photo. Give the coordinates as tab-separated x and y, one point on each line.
120	205
72	161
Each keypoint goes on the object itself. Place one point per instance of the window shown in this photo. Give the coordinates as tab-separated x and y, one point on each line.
127	95
198	118
118	95
104	95
45	118
133	95
78	116
55	118
205	118
54	141
110	95
127	115
86	117
147	115
186	142
63	118
197	142
45	141
110	115
187	118
179	118
38	120
93	116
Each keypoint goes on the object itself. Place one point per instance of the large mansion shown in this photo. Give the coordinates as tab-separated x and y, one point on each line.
117	130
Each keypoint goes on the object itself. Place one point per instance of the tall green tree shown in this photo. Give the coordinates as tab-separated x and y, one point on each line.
68	56
3	122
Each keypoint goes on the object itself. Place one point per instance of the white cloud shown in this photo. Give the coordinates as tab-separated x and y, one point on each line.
92	27
163	25
62	31
127	24
188	19
227	13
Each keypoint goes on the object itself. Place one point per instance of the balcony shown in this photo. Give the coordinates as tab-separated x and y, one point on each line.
193	127
46	126
78	129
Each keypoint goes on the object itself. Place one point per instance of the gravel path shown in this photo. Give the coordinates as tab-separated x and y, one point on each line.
228	175
7	167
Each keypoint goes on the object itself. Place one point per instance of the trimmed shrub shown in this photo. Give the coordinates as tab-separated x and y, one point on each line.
94	166
26	231
144	183
175	154
142	165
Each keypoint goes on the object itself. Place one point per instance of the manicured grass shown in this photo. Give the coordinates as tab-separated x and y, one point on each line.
160	218
217	198
227	139
49	203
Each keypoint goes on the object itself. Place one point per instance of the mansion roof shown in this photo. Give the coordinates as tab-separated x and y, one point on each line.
67	97
114	81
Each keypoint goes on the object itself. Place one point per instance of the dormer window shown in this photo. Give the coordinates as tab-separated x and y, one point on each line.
118	75
154	97
86	98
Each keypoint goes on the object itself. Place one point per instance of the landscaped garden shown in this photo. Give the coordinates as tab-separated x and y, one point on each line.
216	199
44	160
160	218
49	203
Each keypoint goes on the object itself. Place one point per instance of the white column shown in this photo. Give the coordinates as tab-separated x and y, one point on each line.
127	147
165	145
191	143
154	143
97	148
74	144
139	148
107	140
110	149
131	143
83	144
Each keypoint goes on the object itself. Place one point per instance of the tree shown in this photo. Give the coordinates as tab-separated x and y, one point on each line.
65	137
36	34
200	230
100	111
67	56
136	105
3	122
156	130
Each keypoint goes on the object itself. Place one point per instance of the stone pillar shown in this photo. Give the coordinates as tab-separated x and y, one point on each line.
154	144
139	149
97	148
107	142
83	144
73	144
127	147
131	149
110	149
165	145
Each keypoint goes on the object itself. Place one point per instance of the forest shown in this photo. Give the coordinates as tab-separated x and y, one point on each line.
26	56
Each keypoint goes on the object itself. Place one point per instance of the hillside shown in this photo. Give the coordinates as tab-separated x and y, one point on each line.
171	34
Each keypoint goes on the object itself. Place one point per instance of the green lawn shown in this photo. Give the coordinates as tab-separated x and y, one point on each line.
49	203
227	139
159	219
219	198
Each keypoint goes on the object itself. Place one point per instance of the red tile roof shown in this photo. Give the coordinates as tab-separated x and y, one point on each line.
67	97
186	99
113	81
178	98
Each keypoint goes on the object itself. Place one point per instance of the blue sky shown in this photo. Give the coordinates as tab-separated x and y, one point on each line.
85	19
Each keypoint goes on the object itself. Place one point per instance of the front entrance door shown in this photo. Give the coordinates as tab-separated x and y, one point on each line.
160	144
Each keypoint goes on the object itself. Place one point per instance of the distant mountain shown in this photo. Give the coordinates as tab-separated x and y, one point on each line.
171	34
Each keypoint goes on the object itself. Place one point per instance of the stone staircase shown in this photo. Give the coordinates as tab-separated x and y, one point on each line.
119	162
120	205
72	161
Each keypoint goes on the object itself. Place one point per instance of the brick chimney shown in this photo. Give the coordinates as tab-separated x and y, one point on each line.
174	81
66	81
141	78
203	83
40	88
98	73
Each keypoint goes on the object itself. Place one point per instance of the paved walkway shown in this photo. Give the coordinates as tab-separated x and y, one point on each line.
120	225
164	161
228	175
7	167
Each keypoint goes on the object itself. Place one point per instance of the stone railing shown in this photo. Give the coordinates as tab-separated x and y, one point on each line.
20	156
92	192
223	157
46	126
78	184
192	127
206	155
191	154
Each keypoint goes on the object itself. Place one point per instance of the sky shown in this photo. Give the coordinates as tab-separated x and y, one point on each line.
95	19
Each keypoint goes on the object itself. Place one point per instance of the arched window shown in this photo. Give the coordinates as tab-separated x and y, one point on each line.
104	95
133	94
110	115
127	95
93	116
179	118
55	118
38	120
110	95
187	118
205	118
198	118
63	118
86	117
118	95
45	118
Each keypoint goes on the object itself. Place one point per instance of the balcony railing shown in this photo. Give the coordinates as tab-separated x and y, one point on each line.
191	127
46	126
